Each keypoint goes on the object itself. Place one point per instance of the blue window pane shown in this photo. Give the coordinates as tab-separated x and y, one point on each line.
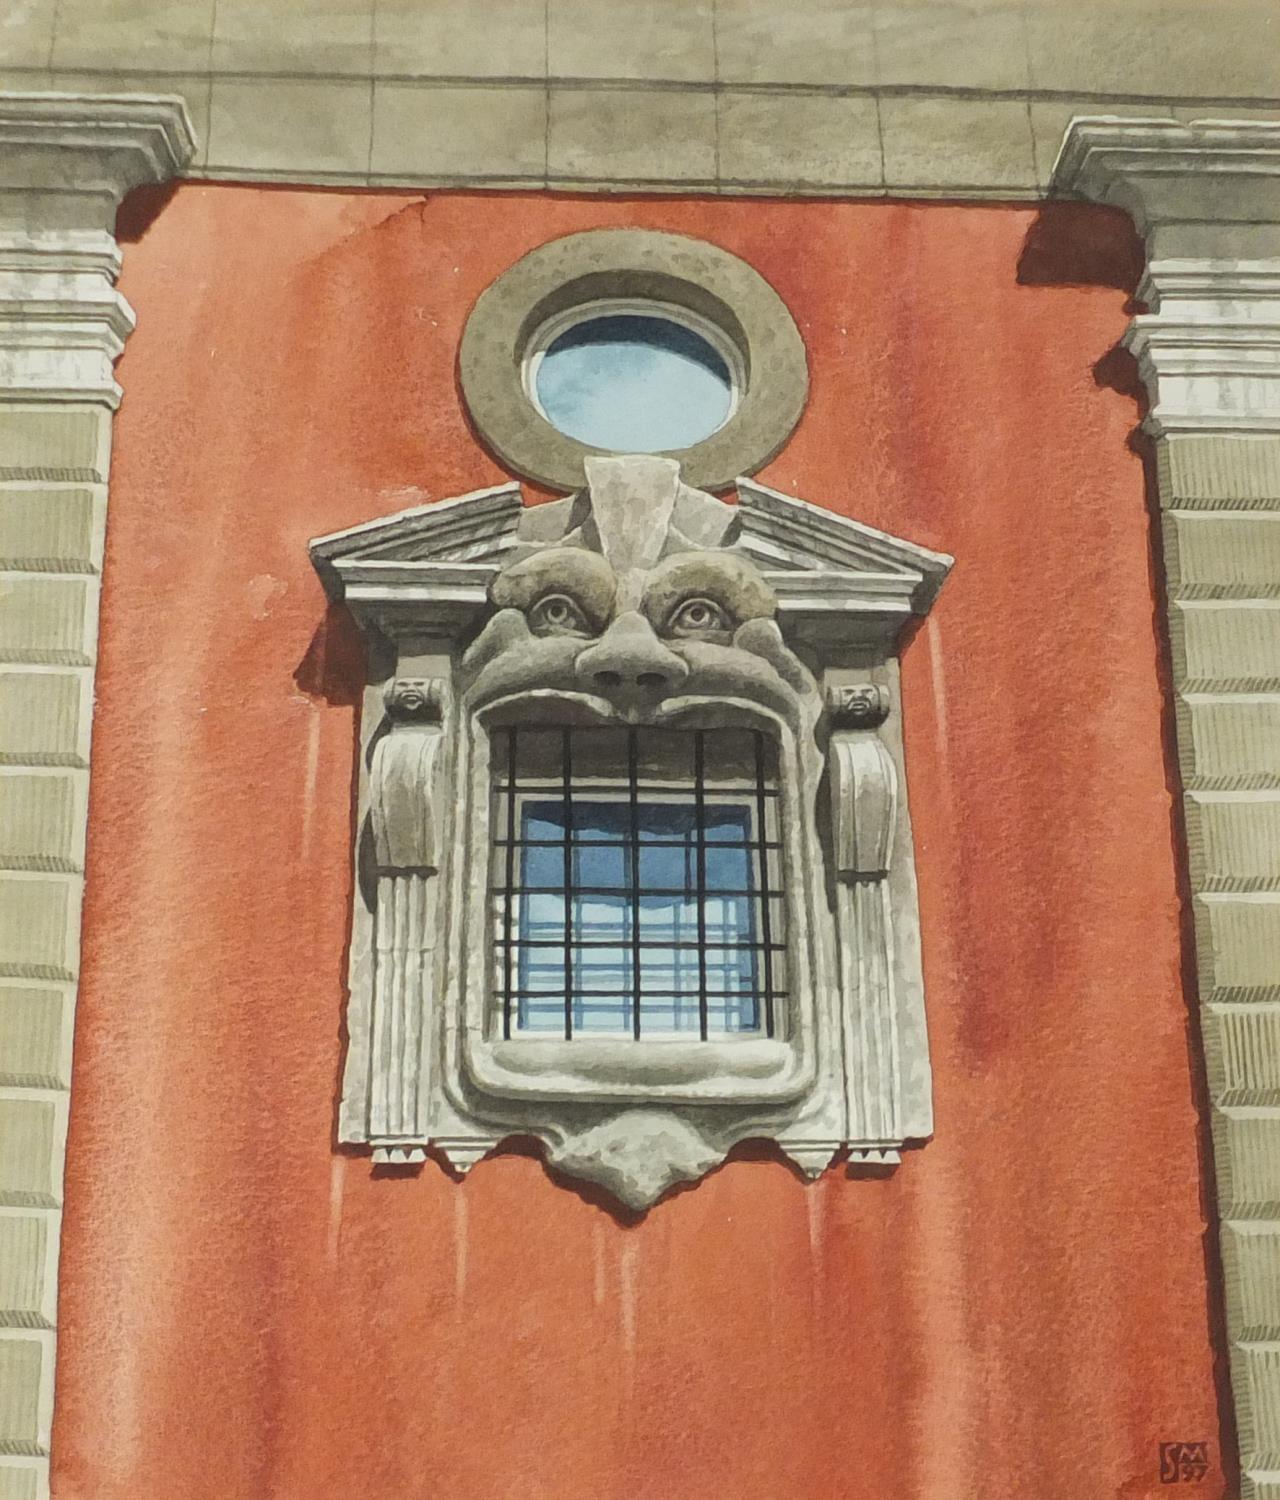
631	383
541	917
668	919
727	825
728	869
594	822
685	956
663	868
542	867
600	919
601	865
543	820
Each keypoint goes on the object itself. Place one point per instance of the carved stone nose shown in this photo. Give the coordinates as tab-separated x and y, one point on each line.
628	657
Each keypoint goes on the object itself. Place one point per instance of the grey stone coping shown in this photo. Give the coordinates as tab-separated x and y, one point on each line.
992	45
941	99
583	135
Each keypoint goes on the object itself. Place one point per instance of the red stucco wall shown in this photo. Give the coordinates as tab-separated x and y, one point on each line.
1021	1310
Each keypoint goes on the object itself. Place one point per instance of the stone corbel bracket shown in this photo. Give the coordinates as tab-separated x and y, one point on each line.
403	820
419	585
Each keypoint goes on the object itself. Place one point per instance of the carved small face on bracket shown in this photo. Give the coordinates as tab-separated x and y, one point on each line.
640	644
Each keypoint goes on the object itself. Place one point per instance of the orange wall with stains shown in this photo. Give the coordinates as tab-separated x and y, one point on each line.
1022	1309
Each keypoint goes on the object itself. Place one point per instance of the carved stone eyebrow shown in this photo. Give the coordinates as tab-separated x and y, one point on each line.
584	576
730	581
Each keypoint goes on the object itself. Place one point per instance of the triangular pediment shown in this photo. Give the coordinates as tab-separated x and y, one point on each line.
786	534
471	528
436	560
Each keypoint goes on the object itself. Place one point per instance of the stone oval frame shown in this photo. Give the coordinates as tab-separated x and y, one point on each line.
639	265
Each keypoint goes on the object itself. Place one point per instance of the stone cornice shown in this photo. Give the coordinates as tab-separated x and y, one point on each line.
66	161
90	145
1162	170
1207	197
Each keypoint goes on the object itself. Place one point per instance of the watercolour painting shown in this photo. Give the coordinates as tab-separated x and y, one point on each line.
639	750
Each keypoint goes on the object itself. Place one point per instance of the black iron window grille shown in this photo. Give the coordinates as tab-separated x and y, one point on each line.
636	882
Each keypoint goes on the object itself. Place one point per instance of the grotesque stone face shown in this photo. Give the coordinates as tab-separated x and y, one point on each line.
631	619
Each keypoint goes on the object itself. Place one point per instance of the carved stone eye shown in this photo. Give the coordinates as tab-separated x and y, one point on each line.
557	614
697	617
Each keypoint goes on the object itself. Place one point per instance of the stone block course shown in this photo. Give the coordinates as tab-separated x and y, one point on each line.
39	926
442	40
823	42
1251	1265
1219	473
601	39
473	134
1232	839
988	151
302	130
952	45
648	135
172	35
26	1273
1229	646
47	619
44	716
1247	1153
811	141
35	1035
1229	741
1238	941
42	819
51	529
32	1133
24	1375
1222	554
63	444
1242	1046
304	37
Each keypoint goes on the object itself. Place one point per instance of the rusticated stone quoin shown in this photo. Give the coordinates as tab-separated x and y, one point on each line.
1205	196
66	160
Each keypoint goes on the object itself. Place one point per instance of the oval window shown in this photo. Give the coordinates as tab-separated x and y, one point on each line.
632	382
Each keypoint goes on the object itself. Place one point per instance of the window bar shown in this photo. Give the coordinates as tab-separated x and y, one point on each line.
508	897
633	788
567	769
649	890
653	994
766	888
663	943
700	820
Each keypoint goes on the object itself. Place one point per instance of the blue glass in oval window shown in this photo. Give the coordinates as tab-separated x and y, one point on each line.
634	383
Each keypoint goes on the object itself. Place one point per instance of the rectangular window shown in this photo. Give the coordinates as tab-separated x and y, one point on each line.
636	882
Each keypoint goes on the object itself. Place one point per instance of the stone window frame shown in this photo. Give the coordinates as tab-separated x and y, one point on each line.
423	1070
638	268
